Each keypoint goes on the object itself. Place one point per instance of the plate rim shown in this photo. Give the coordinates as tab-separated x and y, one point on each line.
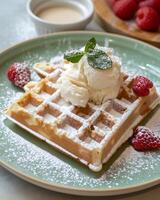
80	191
4	50
74	189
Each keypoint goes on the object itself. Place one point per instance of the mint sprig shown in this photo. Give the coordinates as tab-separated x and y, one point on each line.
96	58
91	44
73	56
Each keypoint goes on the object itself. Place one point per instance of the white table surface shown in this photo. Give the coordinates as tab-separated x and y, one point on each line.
15	26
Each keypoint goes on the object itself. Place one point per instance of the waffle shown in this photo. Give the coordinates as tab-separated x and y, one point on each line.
91	134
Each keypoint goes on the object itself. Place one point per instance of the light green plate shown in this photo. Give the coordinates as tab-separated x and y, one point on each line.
37	162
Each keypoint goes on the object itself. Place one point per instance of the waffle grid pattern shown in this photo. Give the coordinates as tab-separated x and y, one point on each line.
89	125
84	132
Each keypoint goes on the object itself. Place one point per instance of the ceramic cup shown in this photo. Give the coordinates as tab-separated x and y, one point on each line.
85	7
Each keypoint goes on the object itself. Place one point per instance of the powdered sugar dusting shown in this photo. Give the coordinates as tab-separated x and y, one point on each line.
10	96
136	163
56	168
33	157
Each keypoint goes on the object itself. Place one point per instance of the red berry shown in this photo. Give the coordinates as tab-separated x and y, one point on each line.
19	74
144	139
155	4
125	9
141	86
147	19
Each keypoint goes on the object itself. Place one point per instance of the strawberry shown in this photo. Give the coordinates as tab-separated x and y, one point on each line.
155	4
147	19
125	9
19	74
144	139
141	86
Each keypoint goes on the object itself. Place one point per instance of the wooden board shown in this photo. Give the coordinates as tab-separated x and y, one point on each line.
113	24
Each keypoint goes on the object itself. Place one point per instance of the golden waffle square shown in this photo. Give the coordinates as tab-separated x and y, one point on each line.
91	134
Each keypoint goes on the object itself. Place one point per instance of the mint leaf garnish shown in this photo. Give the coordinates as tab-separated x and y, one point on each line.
73	56
91	44
98	59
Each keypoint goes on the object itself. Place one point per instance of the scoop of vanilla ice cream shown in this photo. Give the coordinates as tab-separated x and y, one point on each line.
73	93
103	84
80	82
73	86
101	79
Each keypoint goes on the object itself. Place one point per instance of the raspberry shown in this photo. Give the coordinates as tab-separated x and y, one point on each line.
155	4
125	9
141	86
147	19
144	139
19	74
